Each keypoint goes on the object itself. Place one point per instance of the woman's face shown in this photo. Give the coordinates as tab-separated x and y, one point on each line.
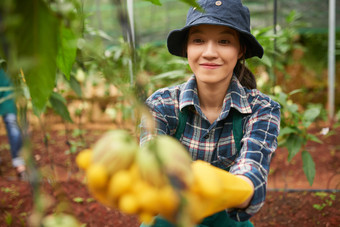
212	52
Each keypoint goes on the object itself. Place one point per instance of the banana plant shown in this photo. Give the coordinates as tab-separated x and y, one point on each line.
294	133
41	39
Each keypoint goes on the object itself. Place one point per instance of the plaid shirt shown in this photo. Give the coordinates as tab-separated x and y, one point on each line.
214	142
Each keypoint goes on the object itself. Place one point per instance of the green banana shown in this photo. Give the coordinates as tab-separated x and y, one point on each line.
149	165
116	150
169	158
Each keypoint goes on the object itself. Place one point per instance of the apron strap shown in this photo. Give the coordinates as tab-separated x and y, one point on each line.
182	121
237	129
237	126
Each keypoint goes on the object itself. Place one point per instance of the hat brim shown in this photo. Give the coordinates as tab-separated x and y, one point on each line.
177	38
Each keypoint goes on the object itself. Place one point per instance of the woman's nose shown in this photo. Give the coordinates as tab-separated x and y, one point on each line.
210	50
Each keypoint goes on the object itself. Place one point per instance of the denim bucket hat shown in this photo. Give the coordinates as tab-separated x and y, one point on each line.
230	13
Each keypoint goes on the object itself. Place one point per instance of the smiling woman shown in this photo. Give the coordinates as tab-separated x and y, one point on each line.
213	51
227	121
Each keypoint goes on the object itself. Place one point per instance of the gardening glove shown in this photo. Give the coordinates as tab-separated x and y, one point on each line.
214	190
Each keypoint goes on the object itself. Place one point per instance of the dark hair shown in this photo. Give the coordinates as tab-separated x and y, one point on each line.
244	75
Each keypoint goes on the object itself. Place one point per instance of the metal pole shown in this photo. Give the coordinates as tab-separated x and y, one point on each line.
131	38
275	24
331	59
131	19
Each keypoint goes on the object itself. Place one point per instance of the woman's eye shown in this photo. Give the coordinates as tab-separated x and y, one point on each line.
224	41
197	41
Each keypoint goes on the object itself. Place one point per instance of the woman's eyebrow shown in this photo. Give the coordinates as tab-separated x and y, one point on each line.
228	32
195	31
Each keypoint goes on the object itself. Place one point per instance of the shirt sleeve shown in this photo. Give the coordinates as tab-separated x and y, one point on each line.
154	122
258	144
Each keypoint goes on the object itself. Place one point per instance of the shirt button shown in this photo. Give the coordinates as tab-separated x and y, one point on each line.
206	136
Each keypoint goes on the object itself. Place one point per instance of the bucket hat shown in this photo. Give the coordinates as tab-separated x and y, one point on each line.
230	13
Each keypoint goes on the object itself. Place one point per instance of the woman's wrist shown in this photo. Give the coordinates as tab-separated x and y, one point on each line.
245	204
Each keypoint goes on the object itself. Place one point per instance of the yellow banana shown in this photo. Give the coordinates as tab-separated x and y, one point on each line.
116	150
83	159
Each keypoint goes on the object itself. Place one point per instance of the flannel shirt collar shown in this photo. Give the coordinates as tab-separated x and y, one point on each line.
236	97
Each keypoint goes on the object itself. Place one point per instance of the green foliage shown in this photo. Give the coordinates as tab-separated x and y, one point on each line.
11	191
61	220
76	86
58	103
294	133
81	200
8	218
76	144
327	198
189	2
161	68
308	166
41	39
316	48
36	44
48	37
78	200
278	47
156	2
67	51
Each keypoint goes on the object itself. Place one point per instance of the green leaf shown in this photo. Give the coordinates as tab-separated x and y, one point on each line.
282	98
67	50
314	138
308	166
266	61
75	85
192	3
310	115
35	39
295	91
294	144
58	104
168	75
288	130
318	206
155	2
293	108
78	200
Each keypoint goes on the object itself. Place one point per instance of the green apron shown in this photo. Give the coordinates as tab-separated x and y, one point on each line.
220	219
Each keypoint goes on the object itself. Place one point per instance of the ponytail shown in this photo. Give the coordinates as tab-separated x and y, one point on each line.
244	75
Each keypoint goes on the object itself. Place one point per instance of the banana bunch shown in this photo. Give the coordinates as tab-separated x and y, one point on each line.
137	180
157	179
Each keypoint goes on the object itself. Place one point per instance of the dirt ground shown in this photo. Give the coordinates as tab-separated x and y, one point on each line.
290	201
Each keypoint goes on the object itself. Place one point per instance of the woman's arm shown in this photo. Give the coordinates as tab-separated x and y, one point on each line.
258	144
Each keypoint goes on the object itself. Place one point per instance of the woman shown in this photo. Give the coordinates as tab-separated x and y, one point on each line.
8	111
216	42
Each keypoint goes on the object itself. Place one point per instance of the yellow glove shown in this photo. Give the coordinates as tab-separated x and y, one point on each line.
214	190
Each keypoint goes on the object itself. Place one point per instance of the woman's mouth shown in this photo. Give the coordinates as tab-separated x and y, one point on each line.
210	65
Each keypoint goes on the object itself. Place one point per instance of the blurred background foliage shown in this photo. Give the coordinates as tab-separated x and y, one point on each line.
68	55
